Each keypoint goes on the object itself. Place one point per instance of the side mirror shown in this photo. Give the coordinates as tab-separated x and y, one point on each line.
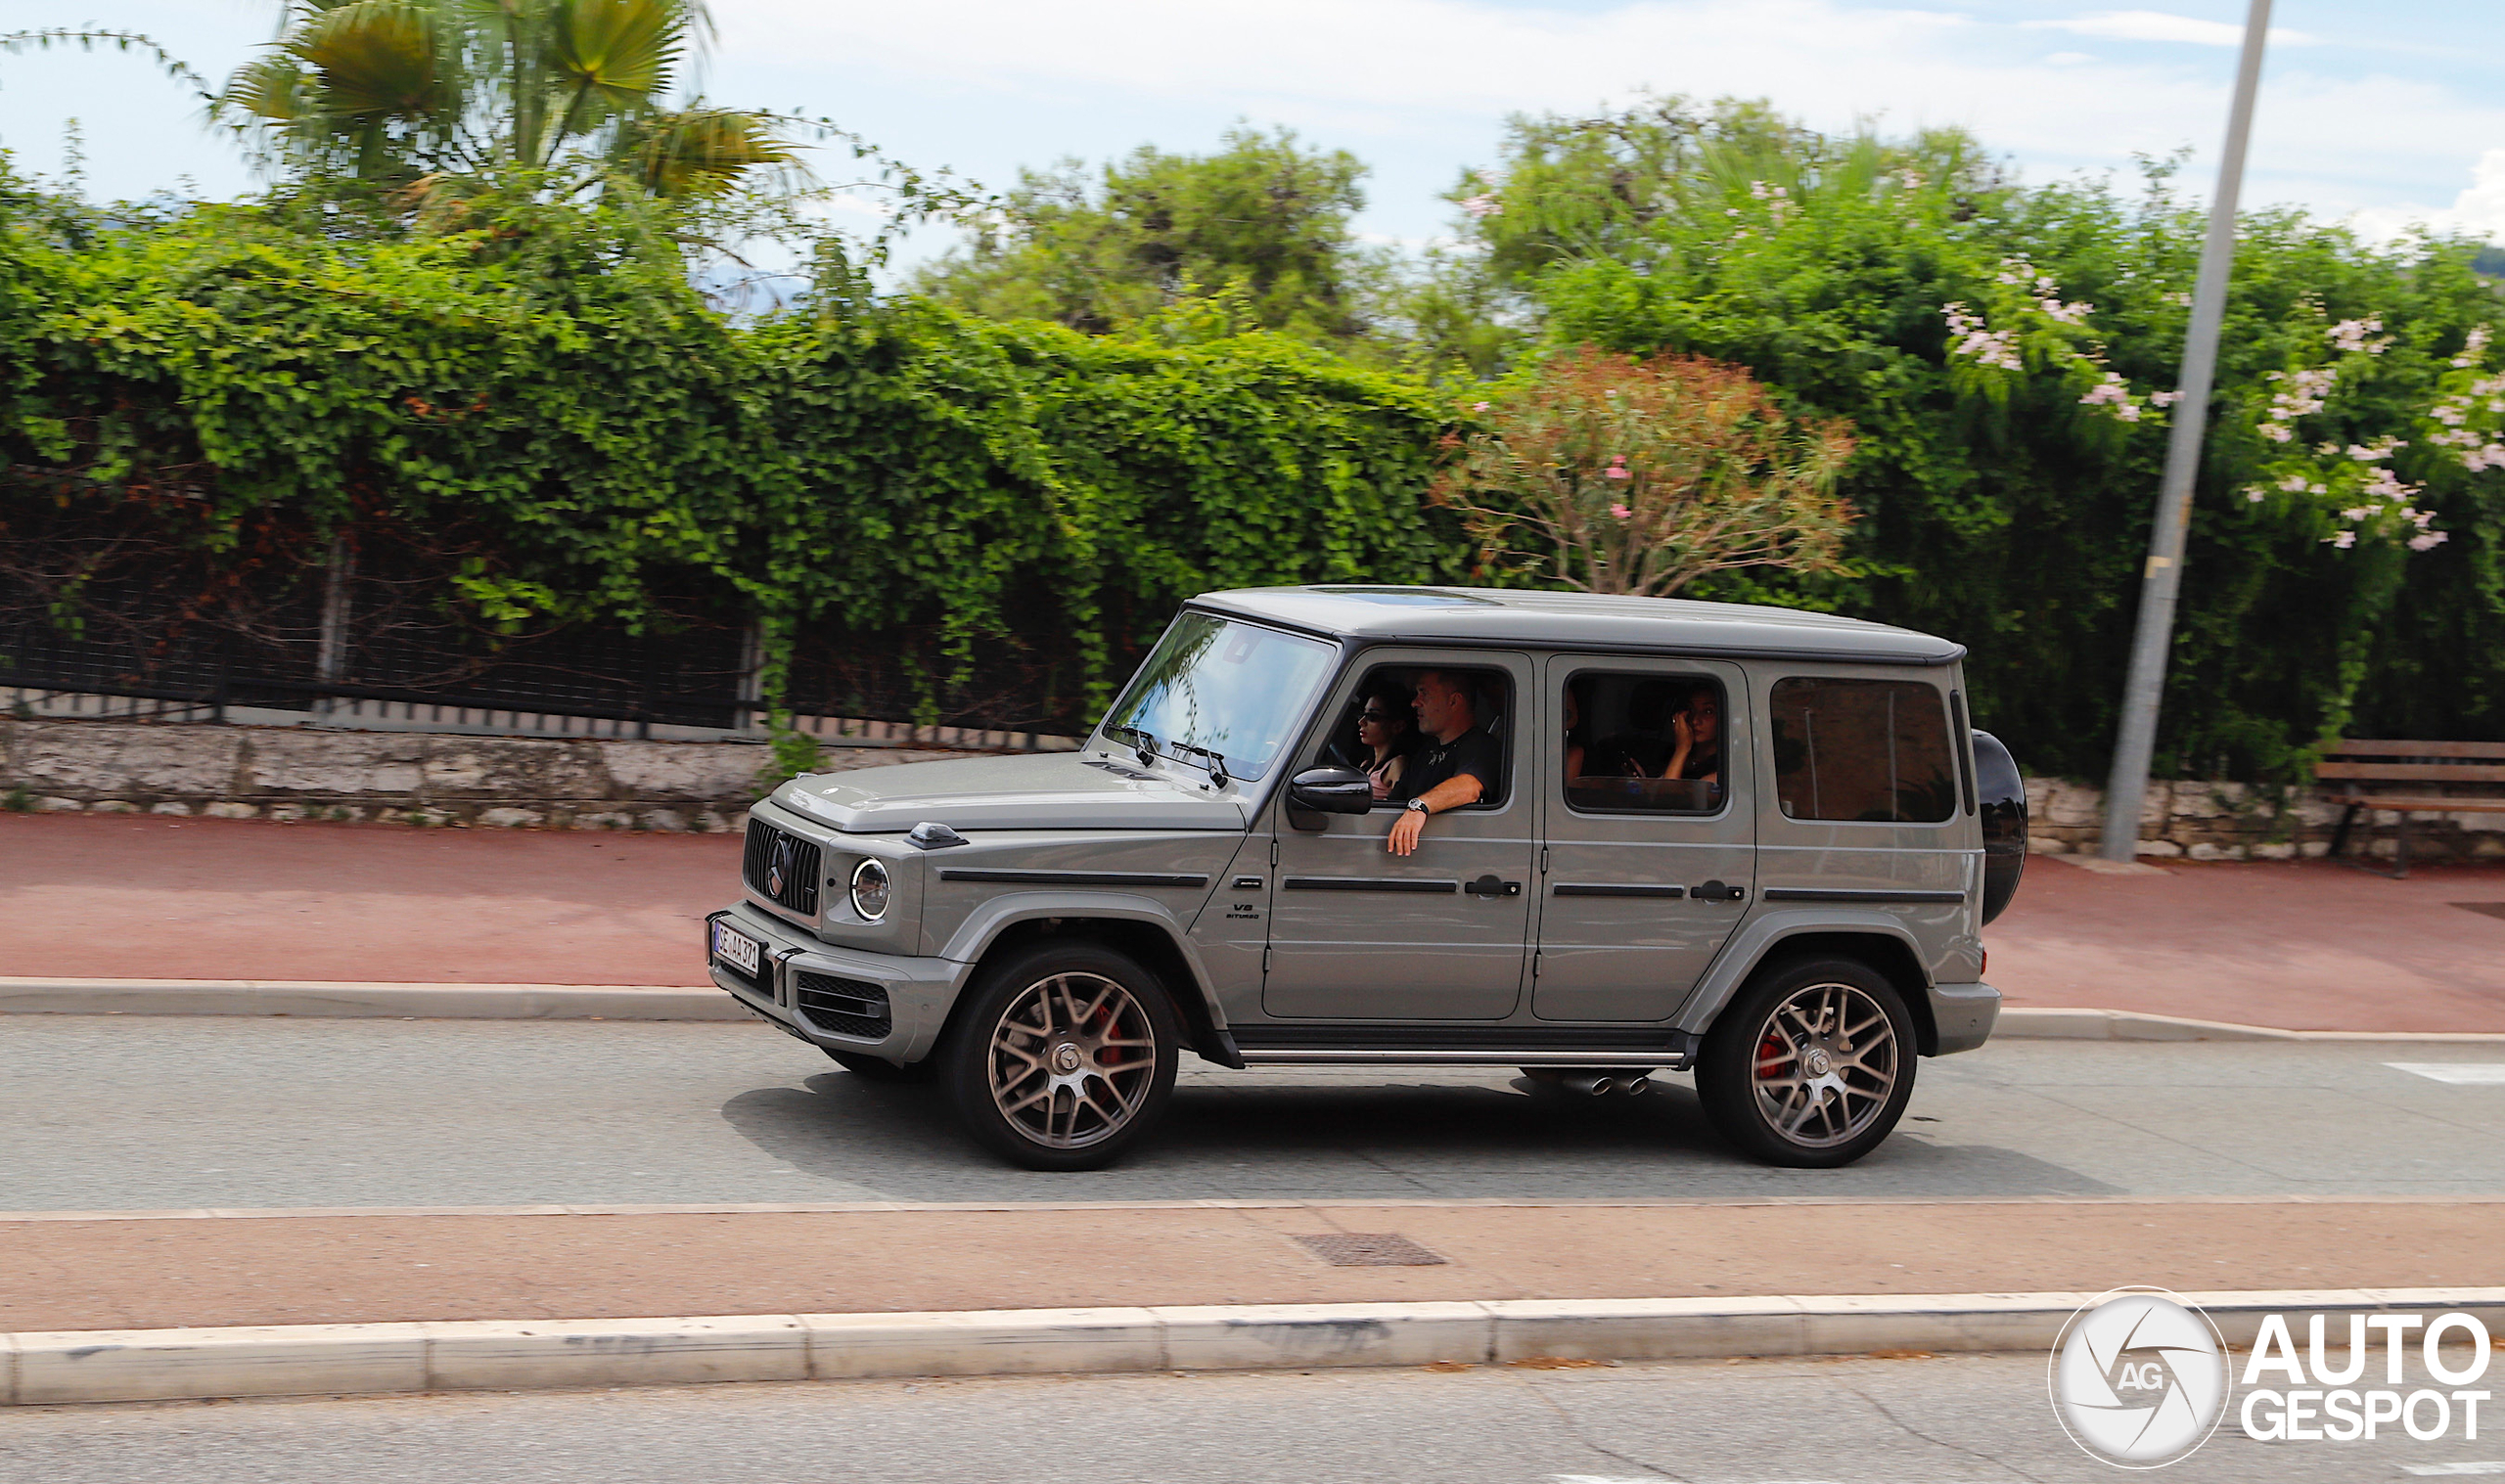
1326	791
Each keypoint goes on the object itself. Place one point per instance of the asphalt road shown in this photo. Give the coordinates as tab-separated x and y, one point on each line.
1866	1421
143	1114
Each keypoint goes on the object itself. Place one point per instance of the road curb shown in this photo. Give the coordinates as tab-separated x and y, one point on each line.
322	1000
2029	1023
328	1000
298	1360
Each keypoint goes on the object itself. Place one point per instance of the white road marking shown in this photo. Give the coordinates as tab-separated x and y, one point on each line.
2466	1073
2445	1470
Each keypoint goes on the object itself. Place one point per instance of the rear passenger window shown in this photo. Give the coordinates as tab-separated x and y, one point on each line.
1643	744
1871	750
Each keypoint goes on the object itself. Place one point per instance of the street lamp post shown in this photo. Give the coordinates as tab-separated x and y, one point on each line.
2163	576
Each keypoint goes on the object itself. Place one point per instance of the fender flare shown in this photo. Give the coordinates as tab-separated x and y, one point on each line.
983	927
1765	935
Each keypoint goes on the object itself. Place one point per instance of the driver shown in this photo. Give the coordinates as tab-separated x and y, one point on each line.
1455	766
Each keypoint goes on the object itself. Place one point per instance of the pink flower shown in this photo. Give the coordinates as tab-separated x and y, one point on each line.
1621	512
1616	467
1477	407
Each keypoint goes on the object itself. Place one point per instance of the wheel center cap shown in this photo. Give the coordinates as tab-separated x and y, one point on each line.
1065	1059
1817	1062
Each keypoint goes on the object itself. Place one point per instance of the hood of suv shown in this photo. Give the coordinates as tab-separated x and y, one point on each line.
1054	791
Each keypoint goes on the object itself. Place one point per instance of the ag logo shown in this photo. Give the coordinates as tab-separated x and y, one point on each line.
2139	1378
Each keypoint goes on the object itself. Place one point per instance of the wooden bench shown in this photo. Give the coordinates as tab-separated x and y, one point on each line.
2409	777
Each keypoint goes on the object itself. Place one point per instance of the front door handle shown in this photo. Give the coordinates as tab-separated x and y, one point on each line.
1494	885
1716	891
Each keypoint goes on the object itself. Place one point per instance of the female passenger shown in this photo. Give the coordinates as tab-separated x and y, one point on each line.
1696	738
1383	729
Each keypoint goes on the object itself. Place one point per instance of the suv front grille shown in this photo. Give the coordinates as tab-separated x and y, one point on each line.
782	867
845	1007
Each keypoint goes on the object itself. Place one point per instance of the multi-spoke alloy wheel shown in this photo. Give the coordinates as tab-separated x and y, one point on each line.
1072	1060
1063	1056
1811	1065
1825	1064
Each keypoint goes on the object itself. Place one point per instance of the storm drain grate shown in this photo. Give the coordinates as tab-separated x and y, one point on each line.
2483	909
1369	1249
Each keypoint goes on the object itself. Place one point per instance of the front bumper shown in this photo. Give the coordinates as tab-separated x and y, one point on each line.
877	1004
1963	1014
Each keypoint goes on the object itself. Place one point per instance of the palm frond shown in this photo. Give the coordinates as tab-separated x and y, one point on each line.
621	51
702	151
374	58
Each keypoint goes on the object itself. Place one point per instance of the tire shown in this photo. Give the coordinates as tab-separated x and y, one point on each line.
1781	1079
1026	1062
871	1069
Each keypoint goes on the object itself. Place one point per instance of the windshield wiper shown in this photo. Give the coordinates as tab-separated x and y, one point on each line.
1216	763
1143	742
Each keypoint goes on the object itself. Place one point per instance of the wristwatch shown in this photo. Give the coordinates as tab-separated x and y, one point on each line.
1418	806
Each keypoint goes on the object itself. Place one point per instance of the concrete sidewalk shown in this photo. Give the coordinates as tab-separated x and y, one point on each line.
2296	945
76	1272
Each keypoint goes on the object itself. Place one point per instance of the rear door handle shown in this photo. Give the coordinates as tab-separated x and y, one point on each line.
1716	891
1494	885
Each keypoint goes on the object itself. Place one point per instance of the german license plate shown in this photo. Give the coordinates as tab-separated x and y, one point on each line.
736	948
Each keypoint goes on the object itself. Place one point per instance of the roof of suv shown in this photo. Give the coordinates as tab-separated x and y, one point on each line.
1580	621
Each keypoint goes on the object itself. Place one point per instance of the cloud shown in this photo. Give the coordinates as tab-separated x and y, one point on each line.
2159	25
1421	87
2479	208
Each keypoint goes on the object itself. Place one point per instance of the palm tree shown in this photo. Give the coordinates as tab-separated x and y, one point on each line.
428	97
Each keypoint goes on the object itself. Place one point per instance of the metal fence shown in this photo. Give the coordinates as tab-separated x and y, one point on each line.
383	653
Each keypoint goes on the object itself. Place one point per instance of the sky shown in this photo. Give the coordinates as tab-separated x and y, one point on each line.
2387	114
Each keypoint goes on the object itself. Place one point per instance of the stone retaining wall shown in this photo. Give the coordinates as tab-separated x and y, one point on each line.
2237	822
289	773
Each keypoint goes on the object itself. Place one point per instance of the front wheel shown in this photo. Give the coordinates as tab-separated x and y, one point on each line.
1063	1056
1811	1067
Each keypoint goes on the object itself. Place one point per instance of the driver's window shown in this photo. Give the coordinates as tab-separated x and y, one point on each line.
1381	730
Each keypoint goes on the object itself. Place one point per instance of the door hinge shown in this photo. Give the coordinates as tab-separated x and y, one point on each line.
1543	860
1274	850
1265	961
1534	963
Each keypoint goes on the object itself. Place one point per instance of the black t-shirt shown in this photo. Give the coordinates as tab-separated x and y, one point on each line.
1474	752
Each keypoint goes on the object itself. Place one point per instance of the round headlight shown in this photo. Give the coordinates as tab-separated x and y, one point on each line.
870	890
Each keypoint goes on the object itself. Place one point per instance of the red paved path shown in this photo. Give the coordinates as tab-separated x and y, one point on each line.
301	1269
2303	945
141	897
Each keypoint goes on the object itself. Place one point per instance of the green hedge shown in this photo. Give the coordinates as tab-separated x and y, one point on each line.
547	408
546	412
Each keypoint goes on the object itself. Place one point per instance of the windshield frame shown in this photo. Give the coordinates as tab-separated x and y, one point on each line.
1297	723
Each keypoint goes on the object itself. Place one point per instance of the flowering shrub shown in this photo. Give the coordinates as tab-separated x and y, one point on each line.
2043	330
1614	476
2350	487
2007	356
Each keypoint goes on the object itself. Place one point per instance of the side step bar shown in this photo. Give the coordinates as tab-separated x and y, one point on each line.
1663	1060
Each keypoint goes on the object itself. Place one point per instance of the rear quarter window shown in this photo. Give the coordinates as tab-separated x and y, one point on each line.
1865	750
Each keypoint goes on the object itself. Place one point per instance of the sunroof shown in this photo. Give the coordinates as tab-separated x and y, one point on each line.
1410	596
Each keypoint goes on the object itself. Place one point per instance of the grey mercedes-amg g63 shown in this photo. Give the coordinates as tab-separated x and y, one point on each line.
1592	838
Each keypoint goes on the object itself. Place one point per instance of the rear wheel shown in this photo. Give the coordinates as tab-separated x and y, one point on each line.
1063	1056
1811	1065
878	1069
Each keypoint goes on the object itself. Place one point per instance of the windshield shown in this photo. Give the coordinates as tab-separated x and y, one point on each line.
1224	687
